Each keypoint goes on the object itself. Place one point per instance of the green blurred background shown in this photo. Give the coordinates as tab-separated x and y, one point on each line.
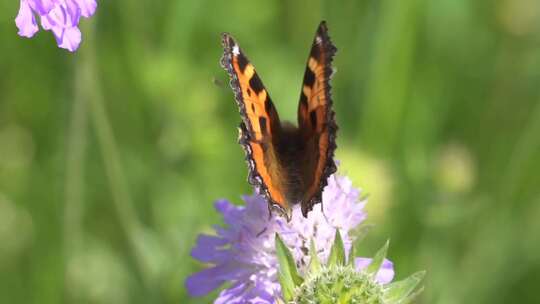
111	157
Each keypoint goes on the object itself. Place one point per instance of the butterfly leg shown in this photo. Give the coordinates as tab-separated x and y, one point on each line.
261	232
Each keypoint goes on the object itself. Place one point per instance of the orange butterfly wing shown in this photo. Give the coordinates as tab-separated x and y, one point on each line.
316	119
260	123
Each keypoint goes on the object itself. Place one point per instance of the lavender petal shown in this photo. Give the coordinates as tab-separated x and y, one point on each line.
42	7
26	21
208	279
88	7
70	39
209	249
233	295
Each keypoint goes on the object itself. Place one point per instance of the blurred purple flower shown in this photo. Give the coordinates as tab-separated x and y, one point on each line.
243	253
59	16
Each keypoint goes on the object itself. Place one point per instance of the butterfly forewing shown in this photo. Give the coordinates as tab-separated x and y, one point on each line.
316	118
260	123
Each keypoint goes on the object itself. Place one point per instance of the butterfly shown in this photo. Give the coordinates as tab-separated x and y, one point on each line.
288	164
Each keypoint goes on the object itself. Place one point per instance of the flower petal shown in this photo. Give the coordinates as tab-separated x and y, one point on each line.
42	7
26	21
209	249
204	281
73	13
241	293
233	295
385	273
70	39
88	7
223	206
211	278
65	14
232	214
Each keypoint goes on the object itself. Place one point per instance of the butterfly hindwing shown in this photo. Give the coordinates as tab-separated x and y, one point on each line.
260	124
316	118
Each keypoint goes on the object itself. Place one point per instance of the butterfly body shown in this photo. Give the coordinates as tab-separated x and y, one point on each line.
288	163
291	150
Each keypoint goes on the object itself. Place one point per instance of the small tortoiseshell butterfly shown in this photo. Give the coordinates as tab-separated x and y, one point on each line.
288	164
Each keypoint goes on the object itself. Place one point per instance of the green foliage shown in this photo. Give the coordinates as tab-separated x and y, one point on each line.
288	273
110	158
314	262
337	252
378	260
402	291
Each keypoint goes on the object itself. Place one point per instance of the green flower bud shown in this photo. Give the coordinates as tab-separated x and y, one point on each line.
339	281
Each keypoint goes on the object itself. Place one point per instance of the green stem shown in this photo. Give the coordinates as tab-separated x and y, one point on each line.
74	185
114	172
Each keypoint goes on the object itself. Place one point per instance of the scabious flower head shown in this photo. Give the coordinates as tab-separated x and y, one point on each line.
243	252
59	16
339	281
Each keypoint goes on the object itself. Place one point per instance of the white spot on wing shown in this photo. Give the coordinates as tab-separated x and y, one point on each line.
318	39
236	50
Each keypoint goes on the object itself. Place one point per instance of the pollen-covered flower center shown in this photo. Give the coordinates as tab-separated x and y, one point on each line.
339	284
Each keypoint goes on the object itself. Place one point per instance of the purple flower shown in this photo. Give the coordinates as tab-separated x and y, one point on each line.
59	16
243	253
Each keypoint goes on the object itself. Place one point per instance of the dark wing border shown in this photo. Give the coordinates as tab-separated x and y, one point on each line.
330	167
